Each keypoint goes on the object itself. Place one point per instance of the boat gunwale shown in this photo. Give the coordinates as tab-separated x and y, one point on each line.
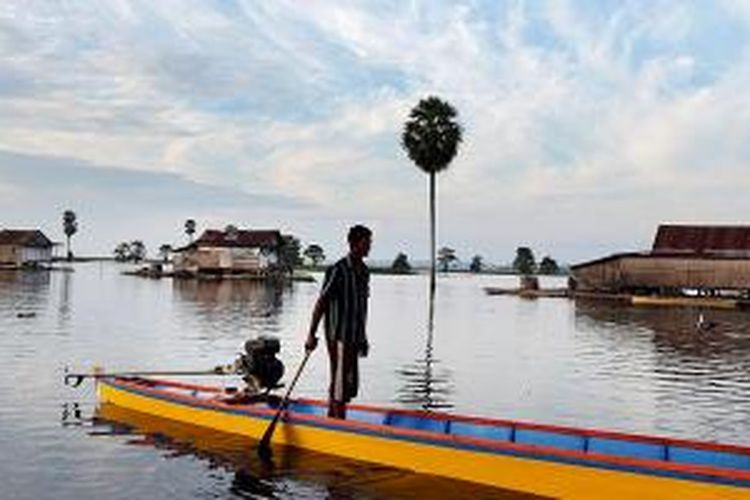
726	475
492	422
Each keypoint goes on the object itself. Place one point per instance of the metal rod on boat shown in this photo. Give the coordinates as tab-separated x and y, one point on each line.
264	447
75	379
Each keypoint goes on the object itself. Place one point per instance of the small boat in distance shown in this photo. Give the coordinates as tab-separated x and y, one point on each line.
552	461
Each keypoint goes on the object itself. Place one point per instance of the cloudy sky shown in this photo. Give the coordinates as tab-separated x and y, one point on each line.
586	123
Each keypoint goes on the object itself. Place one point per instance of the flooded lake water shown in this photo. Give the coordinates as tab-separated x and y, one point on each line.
555	361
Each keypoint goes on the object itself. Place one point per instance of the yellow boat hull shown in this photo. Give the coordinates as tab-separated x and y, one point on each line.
544	477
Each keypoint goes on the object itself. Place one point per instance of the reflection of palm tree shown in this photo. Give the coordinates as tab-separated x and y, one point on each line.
64	308
431	137
424	386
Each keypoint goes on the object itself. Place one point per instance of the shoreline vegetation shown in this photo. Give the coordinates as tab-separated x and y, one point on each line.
153	268
489	271
376	268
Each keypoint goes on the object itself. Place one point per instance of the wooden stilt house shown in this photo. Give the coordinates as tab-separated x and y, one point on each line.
705	259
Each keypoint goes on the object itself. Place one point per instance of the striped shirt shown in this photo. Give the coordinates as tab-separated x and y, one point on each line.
346	289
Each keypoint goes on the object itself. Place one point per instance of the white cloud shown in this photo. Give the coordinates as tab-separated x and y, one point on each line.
572	114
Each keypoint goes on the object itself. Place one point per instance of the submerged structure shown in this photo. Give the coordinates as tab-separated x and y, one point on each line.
705	260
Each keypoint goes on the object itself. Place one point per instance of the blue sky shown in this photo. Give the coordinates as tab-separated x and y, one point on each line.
586	123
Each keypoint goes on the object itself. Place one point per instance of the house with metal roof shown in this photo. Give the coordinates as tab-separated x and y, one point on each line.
24	247
232	251
707	259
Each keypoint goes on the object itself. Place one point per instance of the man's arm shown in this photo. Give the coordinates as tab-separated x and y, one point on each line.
320	308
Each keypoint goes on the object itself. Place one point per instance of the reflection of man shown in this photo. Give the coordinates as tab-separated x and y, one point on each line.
343	300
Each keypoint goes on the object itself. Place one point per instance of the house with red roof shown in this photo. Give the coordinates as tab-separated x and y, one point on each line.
232	251
714	259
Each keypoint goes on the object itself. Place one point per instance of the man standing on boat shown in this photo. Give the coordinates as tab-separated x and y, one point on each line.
343	301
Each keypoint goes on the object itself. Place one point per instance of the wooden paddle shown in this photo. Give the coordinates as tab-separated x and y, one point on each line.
264	447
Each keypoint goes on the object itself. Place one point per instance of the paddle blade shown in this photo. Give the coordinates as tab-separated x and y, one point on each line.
264	451
264	446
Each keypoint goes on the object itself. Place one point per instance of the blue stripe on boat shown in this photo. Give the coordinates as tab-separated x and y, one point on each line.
500	432
695	456
546	438
369	417
412	422
622	448
307	409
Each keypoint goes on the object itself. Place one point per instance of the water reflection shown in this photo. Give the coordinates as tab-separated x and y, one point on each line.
24	293
262	297
72	414
229	303
63	308
697	376
425	384
675	331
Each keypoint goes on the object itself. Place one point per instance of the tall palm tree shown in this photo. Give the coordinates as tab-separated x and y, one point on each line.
431	137
190	228
70	227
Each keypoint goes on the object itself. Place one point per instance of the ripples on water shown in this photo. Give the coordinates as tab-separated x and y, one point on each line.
590	364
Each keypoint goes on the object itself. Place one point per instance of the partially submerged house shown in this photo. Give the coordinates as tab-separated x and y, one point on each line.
236	251
24	247
704	259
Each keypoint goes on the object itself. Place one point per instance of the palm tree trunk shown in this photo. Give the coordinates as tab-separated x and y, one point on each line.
432	251
69	256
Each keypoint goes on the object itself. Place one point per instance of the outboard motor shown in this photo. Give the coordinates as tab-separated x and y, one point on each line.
258	365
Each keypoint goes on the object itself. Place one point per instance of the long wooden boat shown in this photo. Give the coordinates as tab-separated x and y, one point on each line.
553	461
685	301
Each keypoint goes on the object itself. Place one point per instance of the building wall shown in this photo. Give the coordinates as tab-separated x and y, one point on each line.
18	255
30	254
235	259
10	254
633	272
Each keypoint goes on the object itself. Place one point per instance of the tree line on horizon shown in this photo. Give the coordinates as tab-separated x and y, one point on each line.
293	256
524	262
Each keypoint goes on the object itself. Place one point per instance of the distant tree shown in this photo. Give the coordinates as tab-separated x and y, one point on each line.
231	231
290	253
164	251
401	264
190	228
430	137
137	251
314	252
548	265
446	257
477	264
524	262
122	252
70	227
